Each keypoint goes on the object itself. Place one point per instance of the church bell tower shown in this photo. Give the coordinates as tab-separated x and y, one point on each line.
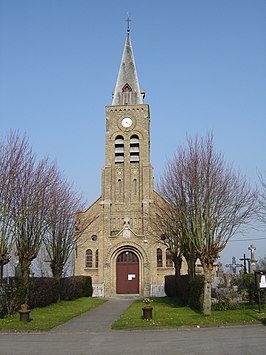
127	180
117	248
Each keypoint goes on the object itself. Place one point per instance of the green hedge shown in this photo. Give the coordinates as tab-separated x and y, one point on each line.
74	287
87	289
195	292
43	291
182	289
189	292
170	287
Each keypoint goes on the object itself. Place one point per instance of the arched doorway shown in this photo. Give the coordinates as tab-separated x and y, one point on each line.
127	273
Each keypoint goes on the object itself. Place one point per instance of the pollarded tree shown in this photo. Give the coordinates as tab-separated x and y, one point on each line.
61	236
13	150
30	213
213	202
169	217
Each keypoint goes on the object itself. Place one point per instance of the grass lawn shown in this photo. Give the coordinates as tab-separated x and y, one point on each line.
46	318
168	313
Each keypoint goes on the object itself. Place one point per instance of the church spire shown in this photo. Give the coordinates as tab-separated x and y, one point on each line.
127	89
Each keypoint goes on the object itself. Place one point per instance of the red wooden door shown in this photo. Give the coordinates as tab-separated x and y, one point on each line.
127	273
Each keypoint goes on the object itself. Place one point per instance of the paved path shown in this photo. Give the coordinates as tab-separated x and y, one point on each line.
98	320
91	334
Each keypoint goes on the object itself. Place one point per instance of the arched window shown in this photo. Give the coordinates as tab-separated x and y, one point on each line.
135	186
159	257
119	149
127	94
134	149
97	258
169	260
88	258
127	257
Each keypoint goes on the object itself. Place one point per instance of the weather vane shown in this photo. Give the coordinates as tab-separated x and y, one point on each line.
128	23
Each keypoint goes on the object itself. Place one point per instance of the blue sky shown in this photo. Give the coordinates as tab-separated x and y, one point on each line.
202	64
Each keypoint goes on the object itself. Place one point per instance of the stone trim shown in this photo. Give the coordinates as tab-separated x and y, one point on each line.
122	246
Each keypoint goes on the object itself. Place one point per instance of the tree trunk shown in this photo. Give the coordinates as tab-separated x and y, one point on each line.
57	271
58	280
24	291
4	259
177	265
191	262
207	289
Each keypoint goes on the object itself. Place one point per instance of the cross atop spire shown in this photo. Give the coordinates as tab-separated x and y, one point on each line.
128	23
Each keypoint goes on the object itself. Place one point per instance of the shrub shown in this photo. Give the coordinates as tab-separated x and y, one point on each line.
188	291
8	299
182	289
222	305
77	286
247	289
71	288
170	286
225	298
87	290
195	292
43	291
46	290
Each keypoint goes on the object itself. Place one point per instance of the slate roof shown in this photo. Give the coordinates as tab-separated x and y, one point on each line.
127	79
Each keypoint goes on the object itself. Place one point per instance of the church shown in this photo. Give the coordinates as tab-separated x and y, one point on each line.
117	248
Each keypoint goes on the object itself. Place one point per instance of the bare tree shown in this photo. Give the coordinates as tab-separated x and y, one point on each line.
36	205
212	201
61	236
30	213
163	227
12	153
177	235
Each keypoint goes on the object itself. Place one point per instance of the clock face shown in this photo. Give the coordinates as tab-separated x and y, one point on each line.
126	122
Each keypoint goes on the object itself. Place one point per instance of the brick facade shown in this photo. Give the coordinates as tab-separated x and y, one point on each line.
120	218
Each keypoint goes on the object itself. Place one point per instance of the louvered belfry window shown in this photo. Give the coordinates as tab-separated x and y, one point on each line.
134	149
119	149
